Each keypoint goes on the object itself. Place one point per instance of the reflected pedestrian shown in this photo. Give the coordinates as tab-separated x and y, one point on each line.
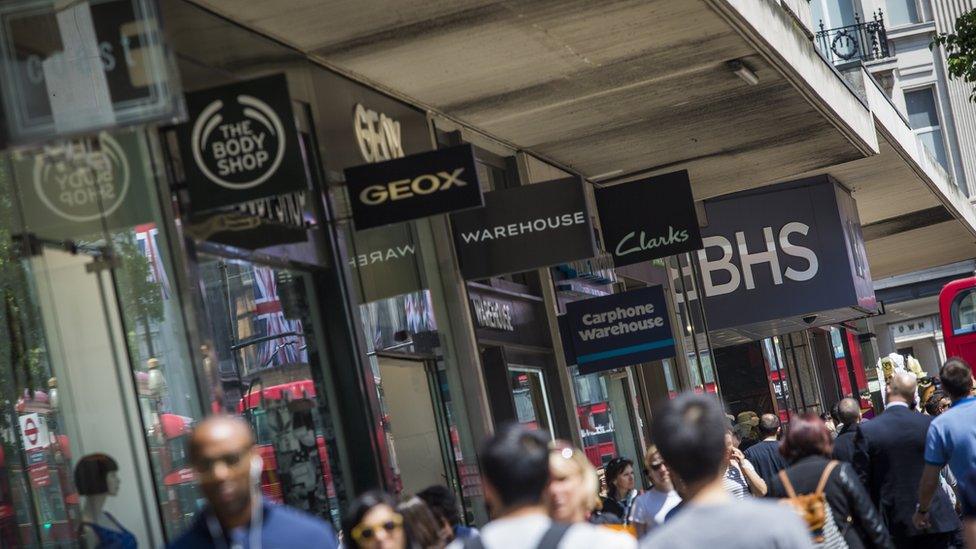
97	479
690	432
228	467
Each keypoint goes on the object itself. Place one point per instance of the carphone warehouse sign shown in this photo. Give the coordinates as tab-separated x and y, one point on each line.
619	330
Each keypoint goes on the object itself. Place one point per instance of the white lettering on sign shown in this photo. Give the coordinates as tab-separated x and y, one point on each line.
645	243
620	321
79	179
381	256
492	314
240	153
378	135
406	188
750	259
539	225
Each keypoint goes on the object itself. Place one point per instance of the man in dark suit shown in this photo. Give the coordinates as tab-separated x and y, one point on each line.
889	458
849	414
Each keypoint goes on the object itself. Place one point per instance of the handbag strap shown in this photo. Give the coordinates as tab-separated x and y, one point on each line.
553	536
786	484
824	476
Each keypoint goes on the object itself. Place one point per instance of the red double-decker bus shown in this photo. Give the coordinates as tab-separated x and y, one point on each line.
957	309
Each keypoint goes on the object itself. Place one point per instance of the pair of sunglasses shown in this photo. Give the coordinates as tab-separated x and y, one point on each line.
365	532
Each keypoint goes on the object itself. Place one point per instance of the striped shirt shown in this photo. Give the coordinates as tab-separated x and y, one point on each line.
735	481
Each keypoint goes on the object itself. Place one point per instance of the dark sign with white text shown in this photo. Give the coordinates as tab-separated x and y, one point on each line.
240	144
649	219
71	68
618	330
412	187
524	228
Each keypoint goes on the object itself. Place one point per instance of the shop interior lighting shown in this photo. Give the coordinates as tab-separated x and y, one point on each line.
744	72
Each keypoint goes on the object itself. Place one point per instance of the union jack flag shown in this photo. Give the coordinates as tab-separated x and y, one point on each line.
147	238
269	320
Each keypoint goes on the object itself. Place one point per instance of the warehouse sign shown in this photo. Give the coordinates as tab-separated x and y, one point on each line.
618	330
524	228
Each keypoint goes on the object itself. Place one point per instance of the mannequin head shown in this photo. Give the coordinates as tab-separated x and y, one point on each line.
97	475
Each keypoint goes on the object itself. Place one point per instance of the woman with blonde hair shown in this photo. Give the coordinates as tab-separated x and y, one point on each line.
573	491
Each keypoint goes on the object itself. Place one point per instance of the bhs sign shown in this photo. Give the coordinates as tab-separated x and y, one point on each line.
784	251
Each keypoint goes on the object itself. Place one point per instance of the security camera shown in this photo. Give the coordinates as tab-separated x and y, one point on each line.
810	319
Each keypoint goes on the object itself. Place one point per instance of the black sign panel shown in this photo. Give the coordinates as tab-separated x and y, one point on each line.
240	144
412	187
524	228
82	66
649	219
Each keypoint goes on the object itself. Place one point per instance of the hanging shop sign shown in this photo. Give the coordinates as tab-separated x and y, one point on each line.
649	219
618	330
524	228
502	317
78	187
240	144
419	185
78	67
789	255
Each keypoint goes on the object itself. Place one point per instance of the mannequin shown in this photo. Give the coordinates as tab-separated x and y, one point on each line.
97	478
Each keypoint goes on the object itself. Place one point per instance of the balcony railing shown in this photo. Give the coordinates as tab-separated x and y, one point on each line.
862	41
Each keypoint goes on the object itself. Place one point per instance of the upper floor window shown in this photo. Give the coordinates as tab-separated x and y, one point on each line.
903	12
923	116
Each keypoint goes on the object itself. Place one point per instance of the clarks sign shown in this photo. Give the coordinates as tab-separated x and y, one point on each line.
524	228
241	144
416	186
649	219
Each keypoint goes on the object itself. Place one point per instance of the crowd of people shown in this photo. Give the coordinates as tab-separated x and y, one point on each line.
903	479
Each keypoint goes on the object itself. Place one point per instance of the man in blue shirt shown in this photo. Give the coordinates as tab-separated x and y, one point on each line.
951	438
228	468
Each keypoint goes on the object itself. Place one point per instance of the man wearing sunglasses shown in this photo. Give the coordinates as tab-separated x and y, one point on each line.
228	468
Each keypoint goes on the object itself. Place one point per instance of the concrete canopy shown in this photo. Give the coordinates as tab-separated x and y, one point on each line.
617	87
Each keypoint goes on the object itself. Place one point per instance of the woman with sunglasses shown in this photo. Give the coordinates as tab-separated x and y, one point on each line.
372	522
653	506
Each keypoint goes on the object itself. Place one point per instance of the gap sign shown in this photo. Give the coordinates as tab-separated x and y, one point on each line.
414	186
618	330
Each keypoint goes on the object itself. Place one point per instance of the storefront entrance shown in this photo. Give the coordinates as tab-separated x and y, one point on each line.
416	428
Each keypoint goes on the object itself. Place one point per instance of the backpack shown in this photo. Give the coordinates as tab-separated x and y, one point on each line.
815	511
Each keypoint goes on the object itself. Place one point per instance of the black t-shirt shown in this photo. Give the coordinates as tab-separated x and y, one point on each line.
765	457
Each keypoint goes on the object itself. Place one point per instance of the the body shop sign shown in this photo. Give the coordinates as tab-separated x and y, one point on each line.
784	252
618	330
524	228
648	219
240	144
70	188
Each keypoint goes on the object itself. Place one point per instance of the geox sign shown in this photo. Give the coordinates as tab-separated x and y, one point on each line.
412	187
